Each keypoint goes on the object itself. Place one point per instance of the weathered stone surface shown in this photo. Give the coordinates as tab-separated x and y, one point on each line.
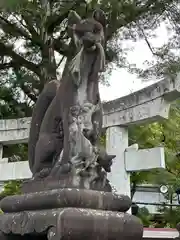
144	159
117	142
150	104
63	181
64	132
167	88
161	93
14	131
61	198
73	223
14	170
150	111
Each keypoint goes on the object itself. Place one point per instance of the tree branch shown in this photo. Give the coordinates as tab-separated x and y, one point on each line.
23	87
4	66
30	26
28	92
55	20
147	41
150	6
58	65
7	50
12	28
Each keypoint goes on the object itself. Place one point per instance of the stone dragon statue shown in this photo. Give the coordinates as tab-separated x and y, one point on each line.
67	119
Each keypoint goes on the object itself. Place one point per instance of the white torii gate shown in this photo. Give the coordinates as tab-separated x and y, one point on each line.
147	105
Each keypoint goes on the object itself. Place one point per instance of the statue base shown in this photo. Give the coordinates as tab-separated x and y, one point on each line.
68	214
64	181
72	223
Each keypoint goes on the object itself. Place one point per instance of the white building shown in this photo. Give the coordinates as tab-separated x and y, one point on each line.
148	194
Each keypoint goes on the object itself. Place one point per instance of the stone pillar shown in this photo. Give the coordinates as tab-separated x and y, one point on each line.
117	143
1	152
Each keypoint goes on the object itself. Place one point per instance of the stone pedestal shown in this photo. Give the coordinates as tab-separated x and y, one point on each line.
69	214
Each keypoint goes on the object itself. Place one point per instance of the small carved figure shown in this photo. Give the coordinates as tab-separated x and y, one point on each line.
81	149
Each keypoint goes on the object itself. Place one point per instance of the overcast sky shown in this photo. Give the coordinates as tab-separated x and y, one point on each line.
123	83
